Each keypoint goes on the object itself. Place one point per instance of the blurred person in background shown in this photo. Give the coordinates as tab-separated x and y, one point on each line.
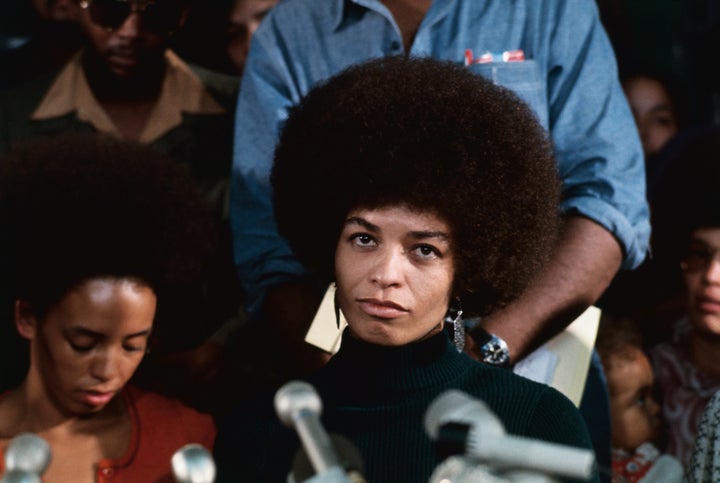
127	83
52	36
93	233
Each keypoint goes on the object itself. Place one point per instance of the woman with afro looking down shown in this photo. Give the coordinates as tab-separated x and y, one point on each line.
93	231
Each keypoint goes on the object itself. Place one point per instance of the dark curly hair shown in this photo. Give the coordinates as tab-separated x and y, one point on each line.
431	136
80	206
616	335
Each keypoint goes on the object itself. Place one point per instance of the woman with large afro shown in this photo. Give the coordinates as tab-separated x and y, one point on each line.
421	190
93	233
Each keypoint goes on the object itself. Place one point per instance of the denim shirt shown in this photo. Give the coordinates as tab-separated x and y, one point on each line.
569	78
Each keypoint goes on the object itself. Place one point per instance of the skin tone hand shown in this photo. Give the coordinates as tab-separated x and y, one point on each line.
585	260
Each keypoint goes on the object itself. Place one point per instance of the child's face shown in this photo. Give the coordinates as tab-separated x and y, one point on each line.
633	410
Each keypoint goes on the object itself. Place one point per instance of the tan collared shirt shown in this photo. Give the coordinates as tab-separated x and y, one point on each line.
182	91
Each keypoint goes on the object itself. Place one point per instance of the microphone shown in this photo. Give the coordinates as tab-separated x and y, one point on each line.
461	424
26	458
193	464
459	469
462	469
348	455
298	405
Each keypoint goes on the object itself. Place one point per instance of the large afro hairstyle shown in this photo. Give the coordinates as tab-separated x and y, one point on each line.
80	206
431	136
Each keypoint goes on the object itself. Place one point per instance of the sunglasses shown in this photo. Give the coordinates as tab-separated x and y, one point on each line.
160	16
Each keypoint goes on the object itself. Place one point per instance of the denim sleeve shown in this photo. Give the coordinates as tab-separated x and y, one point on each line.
598	149
262	257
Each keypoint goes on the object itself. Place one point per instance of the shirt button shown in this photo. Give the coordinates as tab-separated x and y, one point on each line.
108	472
395	45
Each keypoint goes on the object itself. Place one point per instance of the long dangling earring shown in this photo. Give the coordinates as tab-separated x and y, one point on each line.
455	316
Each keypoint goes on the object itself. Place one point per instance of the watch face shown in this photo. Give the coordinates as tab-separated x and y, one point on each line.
495	352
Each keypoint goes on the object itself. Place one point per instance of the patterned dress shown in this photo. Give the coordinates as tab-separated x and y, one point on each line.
705	460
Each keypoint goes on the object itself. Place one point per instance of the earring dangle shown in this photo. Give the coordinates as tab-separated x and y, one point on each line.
455	316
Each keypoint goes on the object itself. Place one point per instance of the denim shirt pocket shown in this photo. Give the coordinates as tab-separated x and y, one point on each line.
523	78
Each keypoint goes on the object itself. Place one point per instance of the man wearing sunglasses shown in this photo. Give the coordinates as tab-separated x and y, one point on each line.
126	82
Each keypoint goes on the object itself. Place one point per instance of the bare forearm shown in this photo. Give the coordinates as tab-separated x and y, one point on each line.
585	260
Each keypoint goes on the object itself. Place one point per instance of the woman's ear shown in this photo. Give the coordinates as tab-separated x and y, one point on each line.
25	319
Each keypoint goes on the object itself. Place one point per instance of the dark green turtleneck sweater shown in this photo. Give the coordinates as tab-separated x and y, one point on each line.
377	397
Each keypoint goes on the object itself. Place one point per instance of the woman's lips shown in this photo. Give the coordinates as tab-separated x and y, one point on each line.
96	398
384	309
708	305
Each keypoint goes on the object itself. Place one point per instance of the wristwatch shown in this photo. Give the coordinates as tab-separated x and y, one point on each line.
493	350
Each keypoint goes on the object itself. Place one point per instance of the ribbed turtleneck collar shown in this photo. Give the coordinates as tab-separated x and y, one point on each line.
362	372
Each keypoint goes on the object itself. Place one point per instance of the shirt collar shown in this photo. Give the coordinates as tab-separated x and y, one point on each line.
182	92
338	13
339	9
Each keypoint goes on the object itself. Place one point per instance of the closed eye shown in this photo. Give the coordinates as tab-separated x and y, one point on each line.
81	348
134	348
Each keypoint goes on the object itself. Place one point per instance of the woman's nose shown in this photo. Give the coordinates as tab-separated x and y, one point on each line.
712	272
104	365
388	269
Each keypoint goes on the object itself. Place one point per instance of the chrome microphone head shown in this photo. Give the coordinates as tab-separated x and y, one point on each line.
193	464
294	397
27	452
456	406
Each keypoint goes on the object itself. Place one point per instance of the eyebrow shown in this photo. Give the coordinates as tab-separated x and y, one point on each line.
699	241
356	220
418	235
662	108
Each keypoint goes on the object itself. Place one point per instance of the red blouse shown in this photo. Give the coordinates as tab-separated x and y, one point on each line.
160	426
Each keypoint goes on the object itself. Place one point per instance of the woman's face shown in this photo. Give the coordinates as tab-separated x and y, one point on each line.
701	270
653	111
90	343
394	273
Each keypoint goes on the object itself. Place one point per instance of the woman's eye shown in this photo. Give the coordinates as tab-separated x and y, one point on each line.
427	251
134	348
362	240
664	121
81	347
